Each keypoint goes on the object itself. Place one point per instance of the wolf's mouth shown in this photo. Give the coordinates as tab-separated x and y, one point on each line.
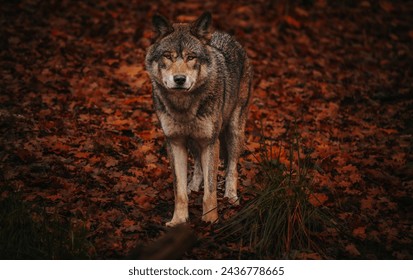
180	88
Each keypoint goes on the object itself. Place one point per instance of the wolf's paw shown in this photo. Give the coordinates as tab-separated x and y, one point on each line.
233	200
176	221
210	217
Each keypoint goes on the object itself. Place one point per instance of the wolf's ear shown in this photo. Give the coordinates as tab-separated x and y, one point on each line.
201	28
162	26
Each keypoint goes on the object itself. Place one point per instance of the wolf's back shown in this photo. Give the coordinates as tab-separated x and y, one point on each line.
234	54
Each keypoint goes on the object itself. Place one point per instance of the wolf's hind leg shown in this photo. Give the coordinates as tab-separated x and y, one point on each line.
235	142
197	176
235	134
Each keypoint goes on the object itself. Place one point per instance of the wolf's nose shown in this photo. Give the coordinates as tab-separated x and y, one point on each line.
179	79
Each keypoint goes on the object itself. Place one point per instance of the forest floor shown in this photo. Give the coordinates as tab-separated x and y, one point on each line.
80	143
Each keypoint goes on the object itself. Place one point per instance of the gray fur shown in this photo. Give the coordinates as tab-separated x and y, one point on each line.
209	108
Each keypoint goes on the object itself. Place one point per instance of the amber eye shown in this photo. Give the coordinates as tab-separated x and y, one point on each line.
190	57
167	55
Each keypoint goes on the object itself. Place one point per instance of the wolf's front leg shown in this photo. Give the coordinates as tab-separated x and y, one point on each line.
179	159
209	161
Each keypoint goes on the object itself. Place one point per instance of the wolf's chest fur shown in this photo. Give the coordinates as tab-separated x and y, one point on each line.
200	128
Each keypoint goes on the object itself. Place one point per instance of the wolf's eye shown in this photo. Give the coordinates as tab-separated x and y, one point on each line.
167	55
191	57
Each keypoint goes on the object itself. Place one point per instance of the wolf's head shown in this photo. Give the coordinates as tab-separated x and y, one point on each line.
179	59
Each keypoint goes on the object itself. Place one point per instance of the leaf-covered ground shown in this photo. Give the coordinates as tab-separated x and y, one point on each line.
79	137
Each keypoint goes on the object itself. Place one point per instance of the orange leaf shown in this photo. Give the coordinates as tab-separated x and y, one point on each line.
111	162
82	155
292	21
318	199
360	232
143	202
386	6
128	223
151	158
367	203
54	197
352	249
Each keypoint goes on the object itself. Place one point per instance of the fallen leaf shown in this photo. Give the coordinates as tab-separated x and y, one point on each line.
386	6
352	249
318	199
360	232
110	162
82	154
292	22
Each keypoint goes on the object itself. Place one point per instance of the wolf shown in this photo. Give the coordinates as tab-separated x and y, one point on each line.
201	88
